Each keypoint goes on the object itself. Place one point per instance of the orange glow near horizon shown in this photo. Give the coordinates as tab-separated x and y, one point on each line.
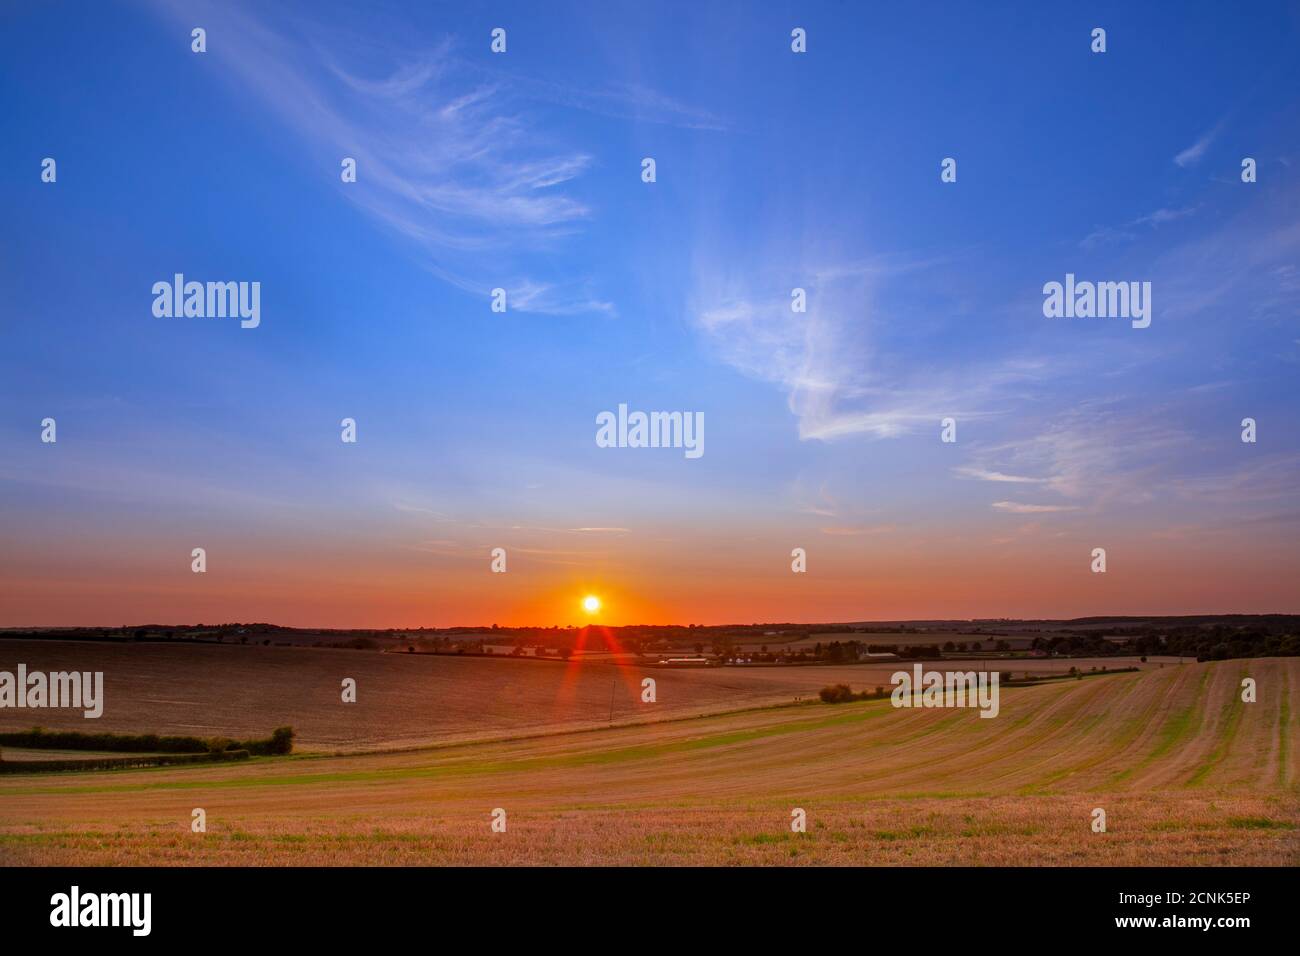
701	577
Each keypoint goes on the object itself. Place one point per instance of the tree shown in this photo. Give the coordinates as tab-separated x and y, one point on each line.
836	693
282	740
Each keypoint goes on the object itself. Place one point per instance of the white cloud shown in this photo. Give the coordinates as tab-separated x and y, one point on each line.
838	383
456	166
1192	154
1016	507
983	474
857	530
1107	235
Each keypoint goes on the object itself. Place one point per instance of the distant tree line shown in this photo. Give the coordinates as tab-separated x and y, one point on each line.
1203	642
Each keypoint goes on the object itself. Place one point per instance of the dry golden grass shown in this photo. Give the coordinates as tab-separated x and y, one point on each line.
995	831
1187	774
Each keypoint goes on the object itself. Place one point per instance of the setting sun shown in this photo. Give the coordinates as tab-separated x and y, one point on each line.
591	604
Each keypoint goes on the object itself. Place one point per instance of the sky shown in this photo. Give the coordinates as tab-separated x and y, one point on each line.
522	170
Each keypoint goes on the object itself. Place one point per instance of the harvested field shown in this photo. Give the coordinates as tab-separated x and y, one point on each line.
408	699
1187	773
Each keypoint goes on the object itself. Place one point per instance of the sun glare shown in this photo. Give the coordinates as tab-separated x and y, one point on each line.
591	604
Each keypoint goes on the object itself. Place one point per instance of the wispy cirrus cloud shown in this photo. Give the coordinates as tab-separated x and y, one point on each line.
1268	479
853	531
634	102
1193	153
1098	453
984	474
1020	508
1129	231
452	163
838	379
1248	263
1108	454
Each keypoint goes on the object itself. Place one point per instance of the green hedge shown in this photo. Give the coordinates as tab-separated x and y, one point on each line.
843	694
280	742
118	763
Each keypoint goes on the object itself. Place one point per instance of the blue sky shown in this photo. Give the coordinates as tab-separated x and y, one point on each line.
522	170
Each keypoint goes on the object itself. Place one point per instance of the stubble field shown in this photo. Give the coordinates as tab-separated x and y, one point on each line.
408	699
1186	772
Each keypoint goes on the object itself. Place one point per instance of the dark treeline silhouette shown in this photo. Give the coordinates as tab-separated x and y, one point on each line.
1210	637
